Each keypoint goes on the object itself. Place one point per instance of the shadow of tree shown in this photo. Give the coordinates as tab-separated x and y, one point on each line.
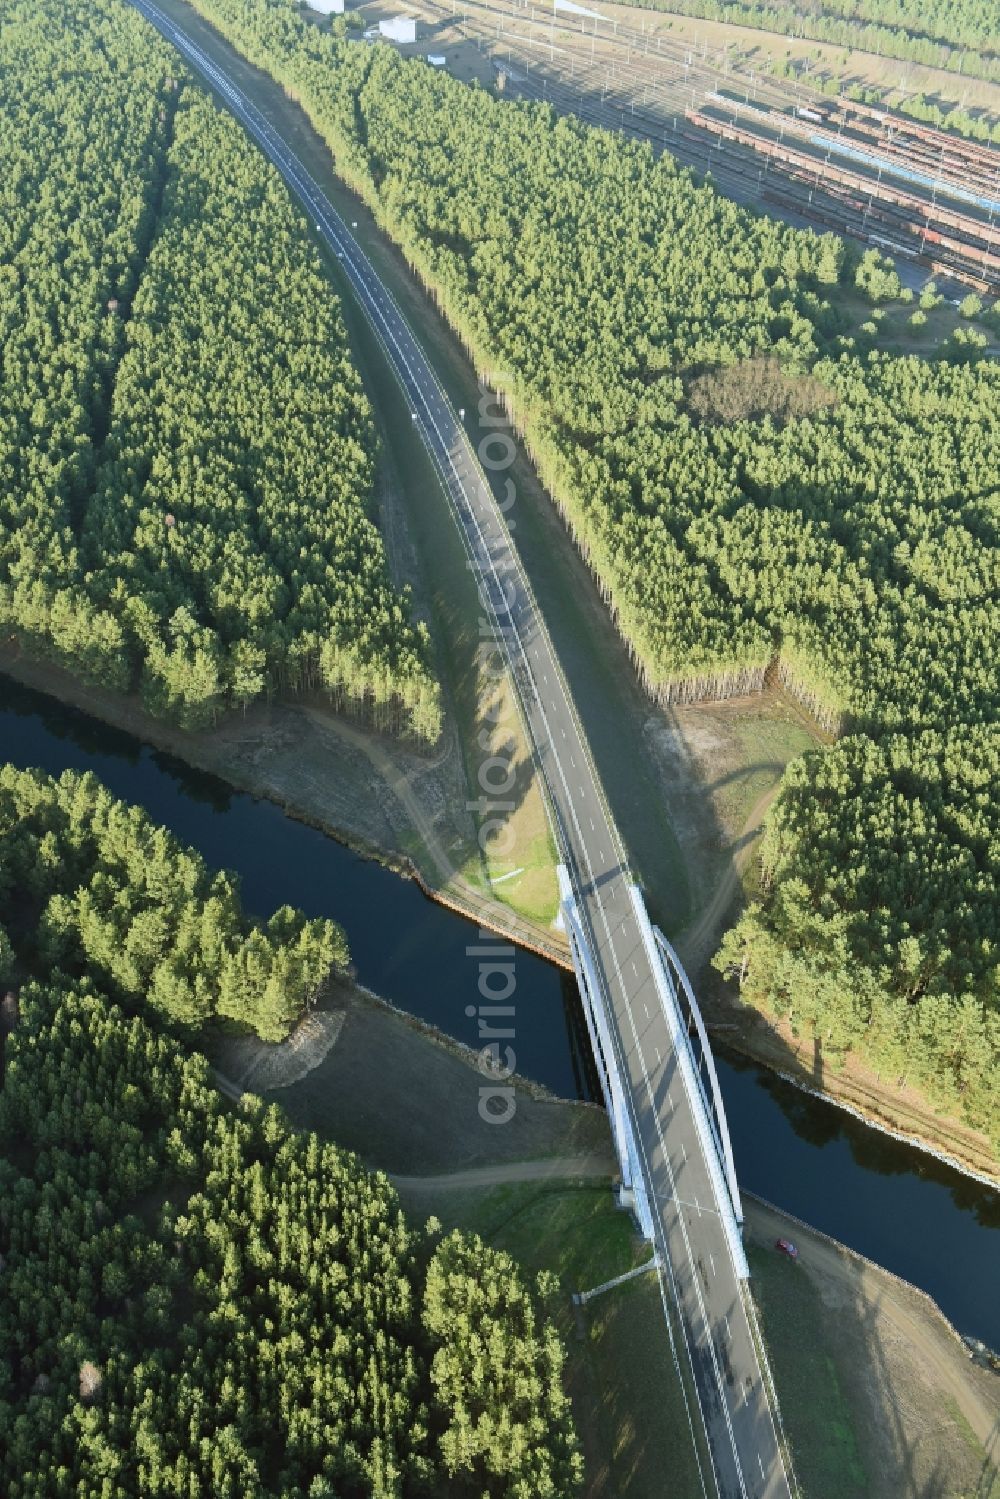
861	1389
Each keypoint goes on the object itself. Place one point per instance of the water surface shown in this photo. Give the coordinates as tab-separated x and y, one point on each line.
919	1218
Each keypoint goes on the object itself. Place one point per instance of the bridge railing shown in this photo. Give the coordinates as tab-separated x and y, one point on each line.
599	1029
540	624
693	1088
713	1103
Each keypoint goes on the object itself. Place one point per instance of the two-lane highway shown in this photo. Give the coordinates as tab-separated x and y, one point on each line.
734	1420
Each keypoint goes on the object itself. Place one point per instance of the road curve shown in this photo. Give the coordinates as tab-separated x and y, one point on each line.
719	1345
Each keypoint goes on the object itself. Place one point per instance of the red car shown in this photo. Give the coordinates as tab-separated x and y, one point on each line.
785	1246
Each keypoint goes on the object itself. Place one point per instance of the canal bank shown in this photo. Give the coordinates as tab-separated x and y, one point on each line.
918	1217
879	1396
397	806
385	799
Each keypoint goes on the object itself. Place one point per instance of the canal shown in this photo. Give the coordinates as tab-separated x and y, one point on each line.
901	1207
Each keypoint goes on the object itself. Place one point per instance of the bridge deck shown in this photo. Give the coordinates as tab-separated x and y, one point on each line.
698	1273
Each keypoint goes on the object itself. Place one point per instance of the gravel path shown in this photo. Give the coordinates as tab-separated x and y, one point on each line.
555	1167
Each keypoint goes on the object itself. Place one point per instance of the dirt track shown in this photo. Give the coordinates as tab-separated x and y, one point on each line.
555	1168
927	1420
907	1370
899	1314
698	942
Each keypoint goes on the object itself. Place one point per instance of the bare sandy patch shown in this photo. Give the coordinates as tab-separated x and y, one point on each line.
257	1066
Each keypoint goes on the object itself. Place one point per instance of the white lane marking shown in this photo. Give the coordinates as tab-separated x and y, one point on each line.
645	1006
297	177
659	1059
684	1153
761	1466
711	1261
634	969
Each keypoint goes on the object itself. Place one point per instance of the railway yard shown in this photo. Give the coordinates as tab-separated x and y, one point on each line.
927	198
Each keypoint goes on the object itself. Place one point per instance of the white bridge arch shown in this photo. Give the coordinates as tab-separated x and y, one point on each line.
694	1061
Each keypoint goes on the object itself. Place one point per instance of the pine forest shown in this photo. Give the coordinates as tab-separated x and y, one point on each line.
196	1300
844	540
186	449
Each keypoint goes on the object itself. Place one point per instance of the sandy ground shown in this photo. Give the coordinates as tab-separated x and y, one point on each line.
404	1096
382	796
900	1111
556	1168
252	1067
909	1377
925	1418
468	31
713	766
641	70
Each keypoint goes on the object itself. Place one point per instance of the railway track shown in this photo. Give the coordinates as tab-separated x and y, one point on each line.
799	194
716	113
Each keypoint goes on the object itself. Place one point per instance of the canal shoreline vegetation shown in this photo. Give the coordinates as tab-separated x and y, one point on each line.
188	447
901	702
876	938
97	889
616	1327
358	1093
769	1041
184	1333
867	1366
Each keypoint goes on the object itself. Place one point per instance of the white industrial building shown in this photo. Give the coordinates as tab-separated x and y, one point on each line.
398	29
327	7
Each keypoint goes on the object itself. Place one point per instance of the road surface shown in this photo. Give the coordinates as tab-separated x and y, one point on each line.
740	1456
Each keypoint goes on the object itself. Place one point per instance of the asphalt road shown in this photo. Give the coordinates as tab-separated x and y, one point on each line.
698	1274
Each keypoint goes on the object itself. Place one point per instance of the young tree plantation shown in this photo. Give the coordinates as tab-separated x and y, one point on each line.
195	1300
846	540
186	448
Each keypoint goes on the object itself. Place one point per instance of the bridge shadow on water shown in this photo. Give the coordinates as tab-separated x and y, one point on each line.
905	1210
